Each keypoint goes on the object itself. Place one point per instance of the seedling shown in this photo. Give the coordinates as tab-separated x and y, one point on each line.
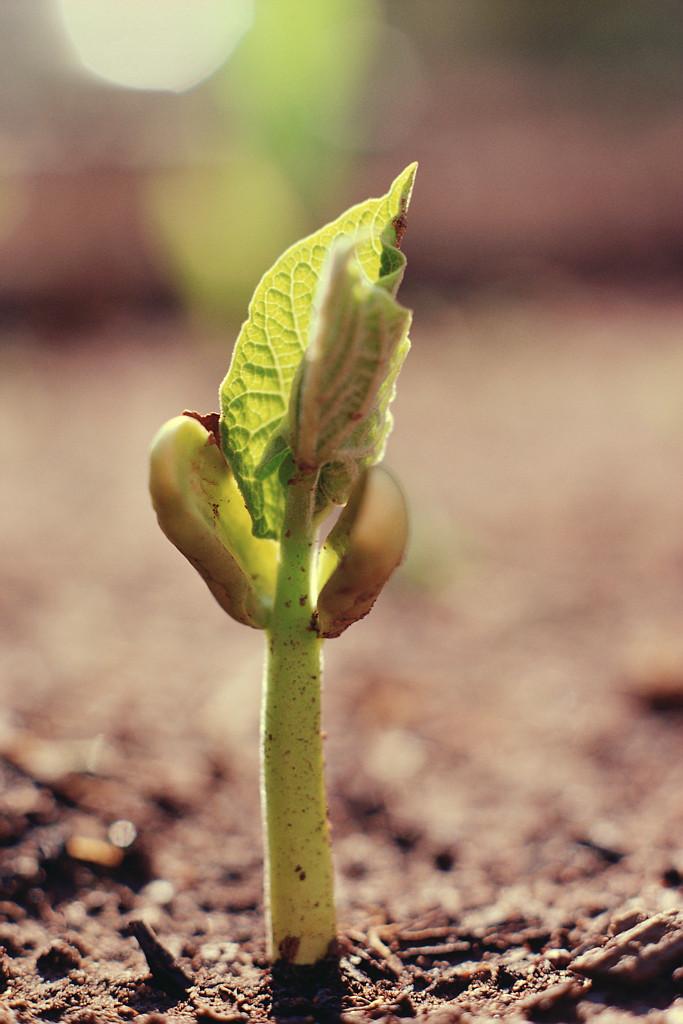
303	426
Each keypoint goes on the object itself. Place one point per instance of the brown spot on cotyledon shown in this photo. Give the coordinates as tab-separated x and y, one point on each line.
210	421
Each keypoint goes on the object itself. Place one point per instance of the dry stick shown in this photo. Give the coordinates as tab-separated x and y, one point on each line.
165	969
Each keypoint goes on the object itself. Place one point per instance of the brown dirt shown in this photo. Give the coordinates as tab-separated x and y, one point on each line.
505	729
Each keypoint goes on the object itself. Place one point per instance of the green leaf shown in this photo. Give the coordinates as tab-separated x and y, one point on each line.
255	394
340	405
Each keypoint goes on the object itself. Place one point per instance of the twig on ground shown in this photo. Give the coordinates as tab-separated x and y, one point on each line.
166	972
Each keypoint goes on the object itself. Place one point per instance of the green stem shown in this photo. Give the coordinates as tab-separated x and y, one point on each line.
298	870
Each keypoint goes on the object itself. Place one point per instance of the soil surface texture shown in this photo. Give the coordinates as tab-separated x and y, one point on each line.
505	730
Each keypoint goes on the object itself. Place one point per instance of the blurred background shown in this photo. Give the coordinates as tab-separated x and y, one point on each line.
155	158
161	158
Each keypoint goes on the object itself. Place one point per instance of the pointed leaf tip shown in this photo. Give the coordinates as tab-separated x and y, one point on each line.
255	394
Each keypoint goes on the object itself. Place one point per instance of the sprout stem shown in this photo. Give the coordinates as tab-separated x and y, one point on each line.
299	882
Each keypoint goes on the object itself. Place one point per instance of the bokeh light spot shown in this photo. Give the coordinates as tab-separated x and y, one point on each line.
148	44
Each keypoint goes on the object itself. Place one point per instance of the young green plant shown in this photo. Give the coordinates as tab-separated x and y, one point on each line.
242	494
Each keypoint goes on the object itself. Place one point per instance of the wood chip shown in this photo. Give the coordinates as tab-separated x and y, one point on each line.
94	851
167	973
445	949
391	960
650	949
540	1002
425	934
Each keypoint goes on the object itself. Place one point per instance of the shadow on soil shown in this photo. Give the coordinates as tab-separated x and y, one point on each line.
316	992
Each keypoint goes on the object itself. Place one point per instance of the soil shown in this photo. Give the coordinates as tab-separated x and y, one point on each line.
504	730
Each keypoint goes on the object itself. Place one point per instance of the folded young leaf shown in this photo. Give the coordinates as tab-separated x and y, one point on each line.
255	394
361	552
201	511
339	408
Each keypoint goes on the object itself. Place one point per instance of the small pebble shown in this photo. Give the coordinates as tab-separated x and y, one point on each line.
122	833
76	914
558	957
159	892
